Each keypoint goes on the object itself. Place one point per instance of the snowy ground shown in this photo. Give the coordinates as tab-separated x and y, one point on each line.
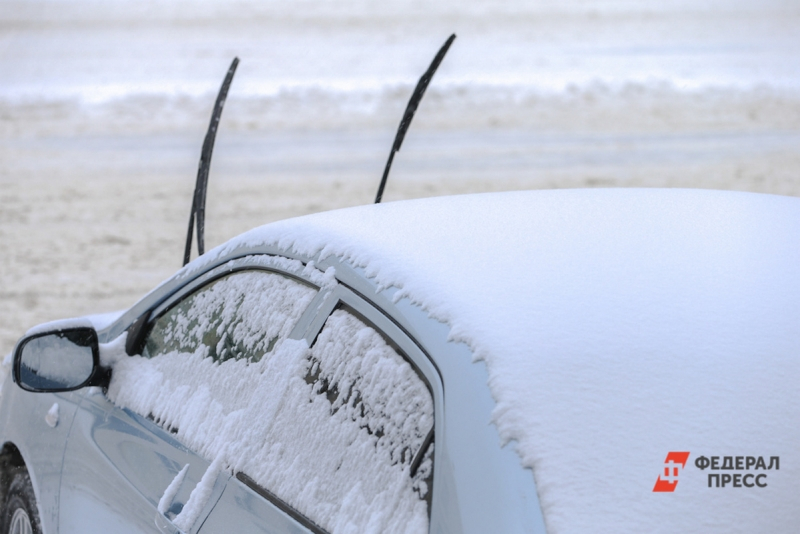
103	108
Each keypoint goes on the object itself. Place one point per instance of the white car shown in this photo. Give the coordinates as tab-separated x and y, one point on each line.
555	361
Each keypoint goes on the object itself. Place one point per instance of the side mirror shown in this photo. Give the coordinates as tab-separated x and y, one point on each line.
60	360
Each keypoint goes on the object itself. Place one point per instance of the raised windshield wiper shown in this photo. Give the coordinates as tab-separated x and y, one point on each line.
198	212
411	108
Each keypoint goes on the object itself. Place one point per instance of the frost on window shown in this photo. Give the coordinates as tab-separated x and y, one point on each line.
371	387
240	316
351	423
340	432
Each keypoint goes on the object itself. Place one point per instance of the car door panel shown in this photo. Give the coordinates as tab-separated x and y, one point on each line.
117	466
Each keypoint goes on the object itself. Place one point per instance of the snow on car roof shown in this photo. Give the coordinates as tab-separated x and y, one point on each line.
617	326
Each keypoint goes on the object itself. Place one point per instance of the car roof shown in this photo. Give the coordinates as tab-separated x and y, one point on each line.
617	326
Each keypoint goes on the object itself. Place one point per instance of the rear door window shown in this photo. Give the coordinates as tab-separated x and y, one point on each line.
354	435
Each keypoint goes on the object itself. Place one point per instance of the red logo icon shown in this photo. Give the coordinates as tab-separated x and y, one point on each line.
668	479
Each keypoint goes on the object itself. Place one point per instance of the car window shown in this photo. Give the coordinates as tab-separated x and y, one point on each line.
240	316
339	434
380	392
356	435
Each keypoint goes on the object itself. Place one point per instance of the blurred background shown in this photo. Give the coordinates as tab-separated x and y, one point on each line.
104	107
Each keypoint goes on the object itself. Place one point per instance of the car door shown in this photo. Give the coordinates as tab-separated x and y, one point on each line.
117	465
350	447
124	463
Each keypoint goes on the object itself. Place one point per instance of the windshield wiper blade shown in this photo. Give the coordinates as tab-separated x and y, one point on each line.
411	108
198	212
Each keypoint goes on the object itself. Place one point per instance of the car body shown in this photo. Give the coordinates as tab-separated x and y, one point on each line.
513	362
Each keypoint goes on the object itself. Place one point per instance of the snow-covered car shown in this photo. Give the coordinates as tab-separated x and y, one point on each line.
555	361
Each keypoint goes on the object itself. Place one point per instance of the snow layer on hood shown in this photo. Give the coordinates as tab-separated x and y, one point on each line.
331	430
617	326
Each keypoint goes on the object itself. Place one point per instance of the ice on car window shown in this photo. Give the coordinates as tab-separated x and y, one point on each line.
352	419
240	316
371	387
332	431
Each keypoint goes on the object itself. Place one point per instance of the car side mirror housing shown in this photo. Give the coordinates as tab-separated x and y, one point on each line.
59	360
